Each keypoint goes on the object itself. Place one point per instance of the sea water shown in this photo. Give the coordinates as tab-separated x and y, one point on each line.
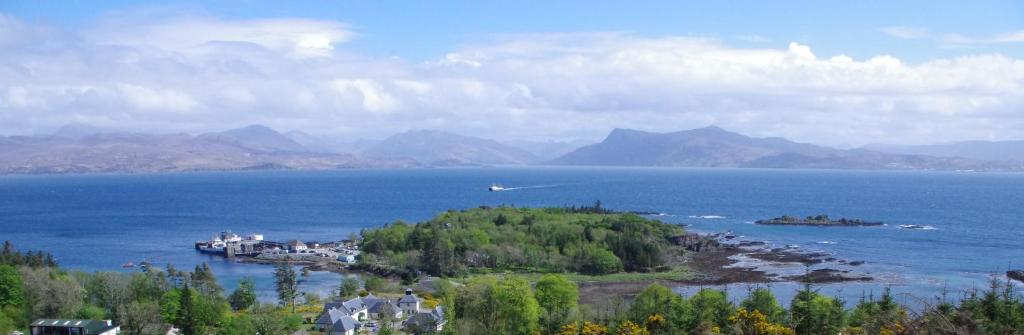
99	222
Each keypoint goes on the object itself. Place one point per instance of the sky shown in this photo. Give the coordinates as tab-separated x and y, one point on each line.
827	72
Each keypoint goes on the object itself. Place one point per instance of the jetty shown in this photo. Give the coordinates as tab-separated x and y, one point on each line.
255	247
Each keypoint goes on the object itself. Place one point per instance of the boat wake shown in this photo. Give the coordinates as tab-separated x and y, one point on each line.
917	227
827	242
531	187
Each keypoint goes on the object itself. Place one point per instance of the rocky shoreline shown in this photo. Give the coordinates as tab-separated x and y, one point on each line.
718	260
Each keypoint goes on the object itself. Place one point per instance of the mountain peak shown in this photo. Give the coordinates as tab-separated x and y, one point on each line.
438	146
252	129
261	137
77	130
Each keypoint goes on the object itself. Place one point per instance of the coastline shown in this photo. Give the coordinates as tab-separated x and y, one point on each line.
707	259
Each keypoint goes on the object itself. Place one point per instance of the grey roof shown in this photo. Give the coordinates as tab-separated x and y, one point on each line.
338	320
331	305
371	300
384	306
90	326
408	297
354	304
427	319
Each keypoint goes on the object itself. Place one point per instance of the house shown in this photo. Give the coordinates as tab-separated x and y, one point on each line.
295	245
410	304
336	321
426	322
73	326
345	317
354	308
385	310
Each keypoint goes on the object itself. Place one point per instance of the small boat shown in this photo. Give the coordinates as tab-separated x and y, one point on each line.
128	265
495	188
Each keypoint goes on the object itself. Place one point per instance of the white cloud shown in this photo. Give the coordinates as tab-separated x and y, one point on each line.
905	32
1010	37
753	38
295	37
956	40
201	73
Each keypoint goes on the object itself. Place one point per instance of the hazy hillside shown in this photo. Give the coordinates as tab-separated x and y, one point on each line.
256	137
548	150
977	150
447	149
716	147
330	144
247	148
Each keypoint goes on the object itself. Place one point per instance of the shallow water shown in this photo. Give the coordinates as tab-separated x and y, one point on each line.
98	222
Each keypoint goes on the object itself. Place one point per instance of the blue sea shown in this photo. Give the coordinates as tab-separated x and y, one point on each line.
99	222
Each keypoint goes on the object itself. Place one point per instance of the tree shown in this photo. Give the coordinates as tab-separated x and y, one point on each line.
348	288
517	309
138	318
12	292
812	313
244	296
501	220
109	290
653	300
205	282
385	328
50	293
601	261
267	322
185	319
707	309
439	254
374	283
287	284
557	297
762	300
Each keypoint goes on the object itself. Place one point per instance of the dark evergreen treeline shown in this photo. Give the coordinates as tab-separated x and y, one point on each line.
10	256
587	239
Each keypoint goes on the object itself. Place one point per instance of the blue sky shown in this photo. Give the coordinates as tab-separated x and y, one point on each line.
424	29
829	72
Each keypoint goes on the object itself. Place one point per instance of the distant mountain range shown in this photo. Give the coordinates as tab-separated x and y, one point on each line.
248	148
976	150
85	149
716	147
438	148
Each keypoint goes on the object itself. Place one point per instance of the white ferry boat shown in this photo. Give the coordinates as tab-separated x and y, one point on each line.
495	188
219	243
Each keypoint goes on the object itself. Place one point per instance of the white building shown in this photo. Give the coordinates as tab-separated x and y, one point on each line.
409	304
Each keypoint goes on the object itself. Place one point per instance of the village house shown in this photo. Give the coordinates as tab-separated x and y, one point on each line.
410	303
73	326
428	322
346	317
295	245
336	321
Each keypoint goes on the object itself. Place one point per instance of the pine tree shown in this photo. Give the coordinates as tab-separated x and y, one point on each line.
186	318
287	284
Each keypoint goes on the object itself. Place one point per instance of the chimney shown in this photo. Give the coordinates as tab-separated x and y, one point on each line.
408	291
